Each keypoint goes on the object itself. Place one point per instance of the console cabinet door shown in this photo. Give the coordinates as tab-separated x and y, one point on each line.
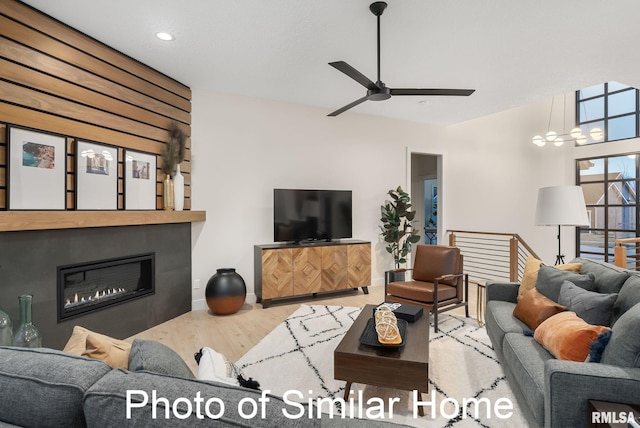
277	273
334	267
307	268
359	262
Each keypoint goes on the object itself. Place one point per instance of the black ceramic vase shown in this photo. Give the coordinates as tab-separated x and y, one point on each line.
225	292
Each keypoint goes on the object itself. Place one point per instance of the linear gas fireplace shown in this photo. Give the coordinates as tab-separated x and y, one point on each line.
87	287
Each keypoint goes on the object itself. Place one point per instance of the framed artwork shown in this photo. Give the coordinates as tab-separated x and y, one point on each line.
96	176
139	180
37	169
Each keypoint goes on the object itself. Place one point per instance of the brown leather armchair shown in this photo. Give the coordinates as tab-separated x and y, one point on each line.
438	283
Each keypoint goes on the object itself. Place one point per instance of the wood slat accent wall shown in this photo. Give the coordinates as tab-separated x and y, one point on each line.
56	79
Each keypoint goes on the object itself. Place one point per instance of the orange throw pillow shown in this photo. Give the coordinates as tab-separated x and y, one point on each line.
530	274
534	308
567	336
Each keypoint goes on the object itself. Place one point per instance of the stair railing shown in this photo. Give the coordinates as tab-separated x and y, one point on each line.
492	255
620	251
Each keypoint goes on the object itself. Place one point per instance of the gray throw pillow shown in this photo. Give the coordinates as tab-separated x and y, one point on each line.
628	297
609	278
155	357
623	348
594	308
550	281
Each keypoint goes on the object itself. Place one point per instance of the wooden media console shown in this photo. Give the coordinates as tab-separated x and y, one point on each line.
288	270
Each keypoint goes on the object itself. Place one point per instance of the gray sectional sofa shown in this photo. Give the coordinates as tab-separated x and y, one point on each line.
555	393
49	388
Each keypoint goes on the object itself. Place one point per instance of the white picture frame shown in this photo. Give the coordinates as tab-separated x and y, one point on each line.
96	176
139	180
37	163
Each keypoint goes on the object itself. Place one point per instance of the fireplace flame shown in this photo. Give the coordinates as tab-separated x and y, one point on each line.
99	295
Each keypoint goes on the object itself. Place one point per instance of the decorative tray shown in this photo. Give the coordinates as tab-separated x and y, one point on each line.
369	335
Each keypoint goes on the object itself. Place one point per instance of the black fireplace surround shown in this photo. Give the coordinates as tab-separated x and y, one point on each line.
87	287
29	264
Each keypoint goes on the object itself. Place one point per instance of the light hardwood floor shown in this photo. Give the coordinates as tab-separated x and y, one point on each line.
233	335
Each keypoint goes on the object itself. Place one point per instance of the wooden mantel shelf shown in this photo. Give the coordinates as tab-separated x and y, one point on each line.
11	221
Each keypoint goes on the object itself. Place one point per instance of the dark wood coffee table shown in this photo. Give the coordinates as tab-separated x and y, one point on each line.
404	368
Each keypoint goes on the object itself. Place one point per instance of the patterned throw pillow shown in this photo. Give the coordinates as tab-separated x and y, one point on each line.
213	366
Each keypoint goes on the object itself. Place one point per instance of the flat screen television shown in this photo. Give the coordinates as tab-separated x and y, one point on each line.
311	215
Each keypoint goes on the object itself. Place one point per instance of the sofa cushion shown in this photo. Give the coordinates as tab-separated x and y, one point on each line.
44	387
525	358
550	281
530	273
149	355
567	336
609	278
594	308
623	348
534	308
500	321
106	402
628	297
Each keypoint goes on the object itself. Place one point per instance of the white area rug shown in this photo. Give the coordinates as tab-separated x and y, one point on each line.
296	358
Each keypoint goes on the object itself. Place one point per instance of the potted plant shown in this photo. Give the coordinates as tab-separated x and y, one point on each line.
397	228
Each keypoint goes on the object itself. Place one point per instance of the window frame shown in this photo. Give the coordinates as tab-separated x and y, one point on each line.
606	118
609	232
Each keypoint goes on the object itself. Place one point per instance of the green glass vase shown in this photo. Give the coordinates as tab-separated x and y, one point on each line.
27	335
6	329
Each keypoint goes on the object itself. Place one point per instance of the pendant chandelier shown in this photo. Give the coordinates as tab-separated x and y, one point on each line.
575	134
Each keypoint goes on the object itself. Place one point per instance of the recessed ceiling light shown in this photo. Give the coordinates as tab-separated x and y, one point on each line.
164	36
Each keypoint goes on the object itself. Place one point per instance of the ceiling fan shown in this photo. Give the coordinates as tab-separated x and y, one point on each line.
379	91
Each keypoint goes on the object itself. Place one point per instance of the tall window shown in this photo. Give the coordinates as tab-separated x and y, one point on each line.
612	107
610	188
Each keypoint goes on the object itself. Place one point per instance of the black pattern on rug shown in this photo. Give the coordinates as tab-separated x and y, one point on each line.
298	355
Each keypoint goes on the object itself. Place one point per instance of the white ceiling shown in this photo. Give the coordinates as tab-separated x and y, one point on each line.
513	52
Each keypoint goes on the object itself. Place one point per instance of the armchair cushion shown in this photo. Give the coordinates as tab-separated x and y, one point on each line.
434	261
421	291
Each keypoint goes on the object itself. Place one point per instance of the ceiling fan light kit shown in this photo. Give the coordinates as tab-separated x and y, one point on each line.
378	91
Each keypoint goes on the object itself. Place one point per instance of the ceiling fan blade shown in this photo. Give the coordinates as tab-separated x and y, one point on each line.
354	74
348	106
446	92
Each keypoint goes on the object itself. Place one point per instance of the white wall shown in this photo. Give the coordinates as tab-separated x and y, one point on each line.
244	147
507	170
